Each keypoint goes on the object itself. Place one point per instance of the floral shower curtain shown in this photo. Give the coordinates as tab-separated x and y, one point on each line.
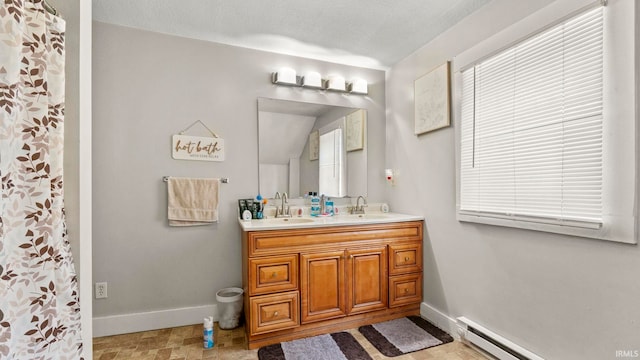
39	309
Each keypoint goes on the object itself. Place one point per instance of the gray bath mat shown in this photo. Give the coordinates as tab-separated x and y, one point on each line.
405	335
336	346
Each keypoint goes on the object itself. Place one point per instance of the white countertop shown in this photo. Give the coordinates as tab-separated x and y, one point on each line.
298	222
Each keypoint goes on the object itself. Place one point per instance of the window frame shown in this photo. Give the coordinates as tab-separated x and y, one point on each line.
620	72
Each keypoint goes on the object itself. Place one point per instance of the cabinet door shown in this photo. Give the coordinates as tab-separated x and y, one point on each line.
322	286
367	279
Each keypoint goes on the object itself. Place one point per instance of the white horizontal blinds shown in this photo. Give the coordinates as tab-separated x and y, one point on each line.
531	132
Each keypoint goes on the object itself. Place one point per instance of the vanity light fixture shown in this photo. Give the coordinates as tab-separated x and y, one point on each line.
285	76
336	83
358	86
312	79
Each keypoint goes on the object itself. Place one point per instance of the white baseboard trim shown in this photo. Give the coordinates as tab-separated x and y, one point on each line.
440	319
152	320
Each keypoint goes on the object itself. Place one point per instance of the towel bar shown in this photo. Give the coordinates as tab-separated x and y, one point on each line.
222	180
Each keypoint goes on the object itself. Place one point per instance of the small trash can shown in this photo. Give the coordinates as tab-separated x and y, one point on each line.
229	307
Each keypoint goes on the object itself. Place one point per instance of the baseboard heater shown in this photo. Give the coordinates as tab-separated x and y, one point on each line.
492	343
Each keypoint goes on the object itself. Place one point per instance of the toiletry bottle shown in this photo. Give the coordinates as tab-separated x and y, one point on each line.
260	202
315	204
328	207
208	332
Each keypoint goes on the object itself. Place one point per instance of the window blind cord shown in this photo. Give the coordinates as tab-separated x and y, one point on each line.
473	150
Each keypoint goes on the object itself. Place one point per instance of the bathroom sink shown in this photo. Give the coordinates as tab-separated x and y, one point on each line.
369	216
288	220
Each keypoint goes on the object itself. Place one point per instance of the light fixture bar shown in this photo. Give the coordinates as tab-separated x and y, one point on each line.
313	80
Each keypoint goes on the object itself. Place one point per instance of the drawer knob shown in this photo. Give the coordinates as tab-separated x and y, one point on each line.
406	290
406	258
275	313
274	274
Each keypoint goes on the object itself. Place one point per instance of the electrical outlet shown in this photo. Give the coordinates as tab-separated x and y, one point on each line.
101	290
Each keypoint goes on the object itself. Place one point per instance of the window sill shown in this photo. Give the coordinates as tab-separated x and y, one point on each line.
620	233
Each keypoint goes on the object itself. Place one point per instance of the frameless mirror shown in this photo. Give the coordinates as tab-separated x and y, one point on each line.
307	147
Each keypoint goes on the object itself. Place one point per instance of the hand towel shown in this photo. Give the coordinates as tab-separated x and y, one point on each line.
192	202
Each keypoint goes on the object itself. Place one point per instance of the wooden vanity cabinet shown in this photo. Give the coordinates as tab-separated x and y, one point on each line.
309	281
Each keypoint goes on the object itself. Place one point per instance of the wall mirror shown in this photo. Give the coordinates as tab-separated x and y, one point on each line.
307	147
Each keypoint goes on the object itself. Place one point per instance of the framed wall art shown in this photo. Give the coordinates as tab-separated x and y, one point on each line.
355	130
314	145
432	100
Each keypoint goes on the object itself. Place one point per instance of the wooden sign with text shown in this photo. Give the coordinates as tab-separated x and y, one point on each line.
186	147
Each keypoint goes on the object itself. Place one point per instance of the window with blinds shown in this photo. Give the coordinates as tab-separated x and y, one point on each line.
532	128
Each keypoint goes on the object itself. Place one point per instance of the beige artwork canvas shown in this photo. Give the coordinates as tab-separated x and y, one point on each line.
355	130
314	145
432	100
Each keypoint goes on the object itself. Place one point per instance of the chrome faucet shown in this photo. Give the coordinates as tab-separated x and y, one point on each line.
359	209
283	211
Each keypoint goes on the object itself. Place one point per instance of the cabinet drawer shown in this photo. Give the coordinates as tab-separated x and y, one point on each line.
405	289
274	312
273	274
405	259
275	242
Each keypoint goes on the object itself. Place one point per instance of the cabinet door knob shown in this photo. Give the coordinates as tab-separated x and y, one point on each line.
350	256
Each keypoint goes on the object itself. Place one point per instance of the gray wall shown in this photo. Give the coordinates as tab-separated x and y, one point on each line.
149	86
561	297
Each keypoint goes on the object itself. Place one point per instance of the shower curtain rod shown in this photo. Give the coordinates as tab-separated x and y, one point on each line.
52	10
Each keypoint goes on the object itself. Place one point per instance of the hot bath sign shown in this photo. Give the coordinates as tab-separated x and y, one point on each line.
186	147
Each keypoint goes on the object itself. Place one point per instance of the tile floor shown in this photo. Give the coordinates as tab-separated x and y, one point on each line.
185	343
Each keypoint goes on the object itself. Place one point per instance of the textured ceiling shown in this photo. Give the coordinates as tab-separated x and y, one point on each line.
366	33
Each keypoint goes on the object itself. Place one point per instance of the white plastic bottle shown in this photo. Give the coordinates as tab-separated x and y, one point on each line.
208	332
